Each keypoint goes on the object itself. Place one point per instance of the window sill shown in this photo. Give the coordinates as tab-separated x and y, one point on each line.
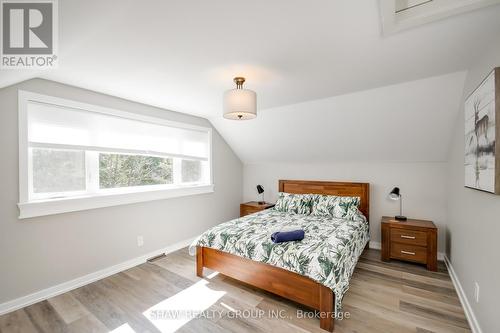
64	205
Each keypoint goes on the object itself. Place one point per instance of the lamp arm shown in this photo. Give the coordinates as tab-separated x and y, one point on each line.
400	205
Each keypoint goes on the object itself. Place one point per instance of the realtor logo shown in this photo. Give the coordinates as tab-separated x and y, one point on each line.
29	34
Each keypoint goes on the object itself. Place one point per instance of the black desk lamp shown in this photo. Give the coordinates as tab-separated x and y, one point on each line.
260	190
396	195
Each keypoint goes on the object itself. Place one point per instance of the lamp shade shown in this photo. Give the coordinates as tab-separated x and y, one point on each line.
260	189
395	194
240	104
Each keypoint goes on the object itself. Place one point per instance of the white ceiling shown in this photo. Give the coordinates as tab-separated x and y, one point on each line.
182	55
408	122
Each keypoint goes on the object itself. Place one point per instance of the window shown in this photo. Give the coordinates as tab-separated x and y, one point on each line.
58	170
398	15
119	170
402	5
76	156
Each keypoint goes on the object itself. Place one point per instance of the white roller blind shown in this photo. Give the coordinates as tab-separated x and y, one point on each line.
57	125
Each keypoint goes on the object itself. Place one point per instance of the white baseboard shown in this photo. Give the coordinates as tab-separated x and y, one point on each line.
378	246
469	313
86	279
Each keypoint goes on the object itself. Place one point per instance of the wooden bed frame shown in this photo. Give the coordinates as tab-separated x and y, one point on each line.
279	281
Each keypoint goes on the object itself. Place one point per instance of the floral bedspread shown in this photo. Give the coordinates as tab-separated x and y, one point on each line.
327	254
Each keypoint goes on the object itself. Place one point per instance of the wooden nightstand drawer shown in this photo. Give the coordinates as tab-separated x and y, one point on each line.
411	240
409	236
248	210
409	252
251	207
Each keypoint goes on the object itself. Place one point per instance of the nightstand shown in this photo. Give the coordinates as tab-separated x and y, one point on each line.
410	240
253	207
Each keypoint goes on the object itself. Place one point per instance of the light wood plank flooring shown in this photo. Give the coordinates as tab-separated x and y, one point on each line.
383	297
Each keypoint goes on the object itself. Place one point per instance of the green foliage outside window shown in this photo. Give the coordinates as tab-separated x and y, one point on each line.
117	170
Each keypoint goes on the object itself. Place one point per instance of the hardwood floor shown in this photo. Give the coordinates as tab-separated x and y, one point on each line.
383	297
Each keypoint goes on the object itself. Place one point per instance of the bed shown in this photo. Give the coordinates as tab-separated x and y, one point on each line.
314	272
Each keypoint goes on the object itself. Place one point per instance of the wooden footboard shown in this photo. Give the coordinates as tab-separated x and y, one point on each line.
276	280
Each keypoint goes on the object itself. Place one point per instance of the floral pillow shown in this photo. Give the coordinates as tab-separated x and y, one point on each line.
334	206
294	203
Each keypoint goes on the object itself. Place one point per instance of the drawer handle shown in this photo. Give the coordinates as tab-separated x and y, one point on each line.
406	252
407	237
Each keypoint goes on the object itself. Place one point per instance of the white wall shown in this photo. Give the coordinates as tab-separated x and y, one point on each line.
422	185
473	225
41	252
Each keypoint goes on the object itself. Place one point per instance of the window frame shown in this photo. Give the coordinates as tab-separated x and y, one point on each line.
104	197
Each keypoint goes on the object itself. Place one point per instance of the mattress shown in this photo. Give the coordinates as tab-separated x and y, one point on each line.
328	253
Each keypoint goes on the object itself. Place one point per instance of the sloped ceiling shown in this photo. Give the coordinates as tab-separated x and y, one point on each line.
408	122
182	54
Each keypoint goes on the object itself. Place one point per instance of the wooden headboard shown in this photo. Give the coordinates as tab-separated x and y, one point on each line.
344	189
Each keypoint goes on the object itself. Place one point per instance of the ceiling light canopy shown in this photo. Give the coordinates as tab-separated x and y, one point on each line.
239	103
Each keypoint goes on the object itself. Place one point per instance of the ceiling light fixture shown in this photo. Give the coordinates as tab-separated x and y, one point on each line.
239	103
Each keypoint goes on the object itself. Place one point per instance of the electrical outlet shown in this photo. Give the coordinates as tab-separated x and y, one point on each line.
140	241
476	291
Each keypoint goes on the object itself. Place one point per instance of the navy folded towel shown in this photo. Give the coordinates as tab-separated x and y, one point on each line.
287	236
